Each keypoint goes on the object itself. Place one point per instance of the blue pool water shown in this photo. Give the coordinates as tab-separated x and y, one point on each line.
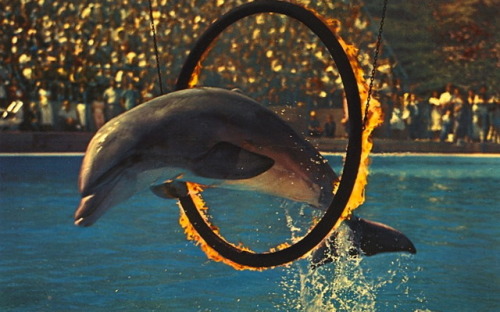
136	257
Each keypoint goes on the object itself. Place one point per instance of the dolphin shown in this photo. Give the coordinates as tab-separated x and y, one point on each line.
214	137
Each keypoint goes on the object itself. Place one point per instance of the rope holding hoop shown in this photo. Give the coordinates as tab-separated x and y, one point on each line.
353	153
153	30
374	65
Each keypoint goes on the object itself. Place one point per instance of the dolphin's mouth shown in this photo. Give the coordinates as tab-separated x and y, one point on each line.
97	195
86	214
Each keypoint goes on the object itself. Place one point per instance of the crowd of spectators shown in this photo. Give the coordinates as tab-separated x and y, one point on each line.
456	115
72	65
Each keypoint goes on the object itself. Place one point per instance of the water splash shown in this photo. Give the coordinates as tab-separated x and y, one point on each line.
339	287
345	285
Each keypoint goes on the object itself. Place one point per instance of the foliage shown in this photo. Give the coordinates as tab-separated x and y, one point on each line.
441	41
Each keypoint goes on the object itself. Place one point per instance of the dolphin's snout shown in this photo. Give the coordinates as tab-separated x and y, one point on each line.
85	214
104	196
81	222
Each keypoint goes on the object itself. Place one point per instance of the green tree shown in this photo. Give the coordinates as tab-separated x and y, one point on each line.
441	41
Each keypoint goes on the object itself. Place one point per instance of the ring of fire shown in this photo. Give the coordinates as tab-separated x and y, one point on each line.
242	258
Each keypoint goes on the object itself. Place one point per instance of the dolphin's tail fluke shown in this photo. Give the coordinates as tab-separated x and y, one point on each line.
368	238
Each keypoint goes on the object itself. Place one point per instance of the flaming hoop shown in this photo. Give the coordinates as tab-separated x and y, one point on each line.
195	222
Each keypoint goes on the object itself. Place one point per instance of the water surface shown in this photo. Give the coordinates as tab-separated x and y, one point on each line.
136	257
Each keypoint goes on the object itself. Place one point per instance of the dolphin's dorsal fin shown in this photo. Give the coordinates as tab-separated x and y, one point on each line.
227	161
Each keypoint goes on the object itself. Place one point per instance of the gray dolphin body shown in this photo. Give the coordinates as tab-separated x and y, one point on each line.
209	136
204	135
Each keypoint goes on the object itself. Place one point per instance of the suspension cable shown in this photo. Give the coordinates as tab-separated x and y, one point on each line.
374	65
155	45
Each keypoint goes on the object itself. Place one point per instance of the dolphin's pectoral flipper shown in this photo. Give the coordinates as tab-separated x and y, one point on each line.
368	238
230	162
170	189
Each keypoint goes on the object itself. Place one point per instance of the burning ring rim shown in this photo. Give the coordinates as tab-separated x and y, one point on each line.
354	147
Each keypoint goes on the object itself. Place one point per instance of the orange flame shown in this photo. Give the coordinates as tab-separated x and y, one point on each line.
195	76
374	119
191	233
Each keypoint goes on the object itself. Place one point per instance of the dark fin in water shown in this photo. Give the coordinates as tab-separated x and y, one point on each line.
227	161
373	237
368	238
170	190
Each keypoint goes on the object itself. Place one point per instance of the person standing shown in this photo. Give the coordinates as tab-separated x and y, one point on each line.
480	109
112	98
446	112
68	119
396	123
413	119
472	130
46	114
313	127
82	106
447	124
31	118
130	97
330	127
436	123
98	109
445	98
459	116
